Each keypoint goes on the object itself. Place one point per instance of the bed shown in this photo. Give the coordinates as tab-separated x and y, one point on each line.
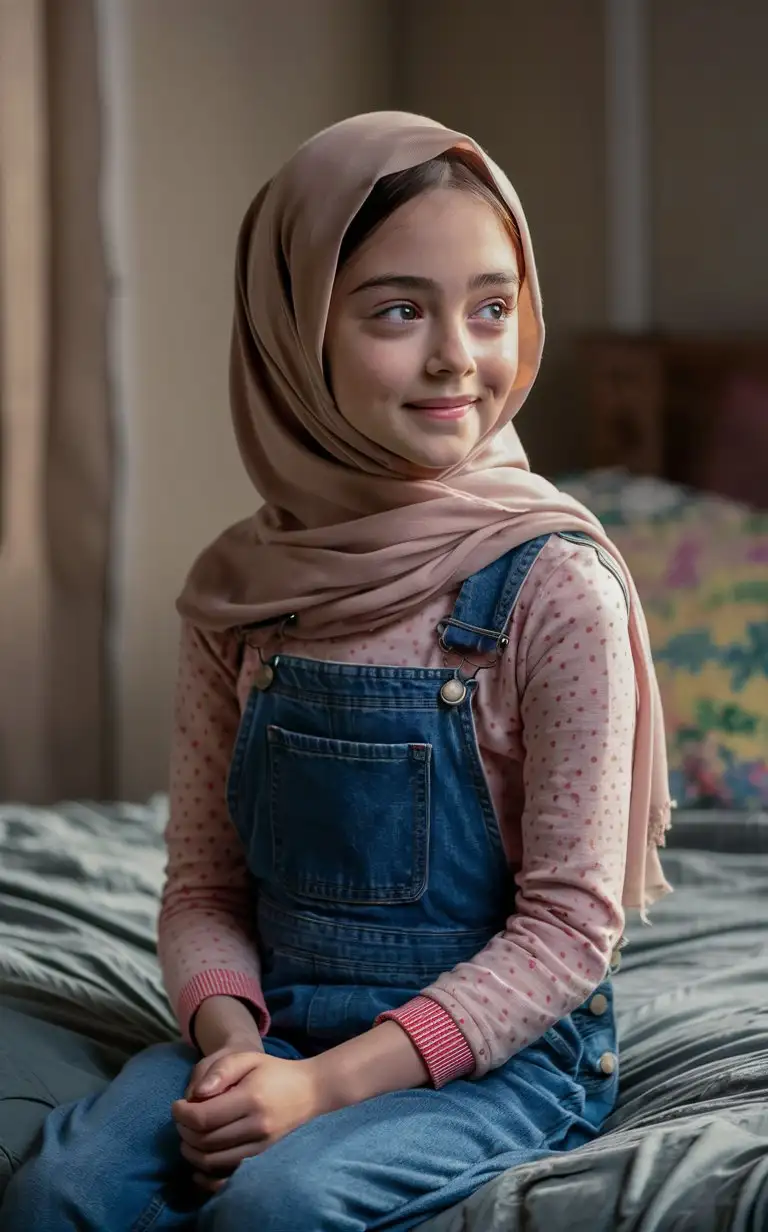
80	988
80	991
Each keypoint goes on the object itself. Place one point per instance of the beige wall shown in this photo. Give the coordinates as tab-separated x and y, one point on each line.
206	100
710	164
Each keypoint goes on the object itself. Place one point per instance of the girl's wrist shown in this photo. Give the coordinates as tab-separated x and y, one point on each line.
381	1060
225	1022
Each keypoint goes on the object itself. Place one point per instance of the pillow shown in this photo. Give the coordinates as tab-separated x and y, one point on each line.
700	564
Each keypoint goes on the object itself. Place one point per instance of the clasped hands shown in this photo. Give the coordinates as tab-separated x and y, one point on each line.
239	1102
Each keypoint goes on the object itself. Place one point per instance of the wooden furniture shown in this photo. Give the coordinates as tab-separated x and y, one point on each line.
692	409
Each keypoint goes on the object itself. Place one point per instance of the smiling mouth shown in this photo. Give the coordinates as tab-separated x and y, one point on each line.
443	408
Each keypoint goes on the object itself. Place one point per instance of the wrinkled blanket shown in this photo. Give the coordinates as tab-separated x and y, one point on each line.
80	991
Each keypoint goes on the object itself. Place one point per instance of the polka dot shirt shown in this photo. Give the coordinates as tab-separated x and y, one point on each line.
555	725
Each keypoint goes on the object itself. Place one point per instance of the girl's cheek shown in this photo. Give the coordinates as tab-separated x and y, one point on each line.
395	366
499	369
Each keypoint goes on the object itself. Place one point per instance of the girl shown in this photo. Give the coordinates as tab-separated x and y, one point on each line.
419	760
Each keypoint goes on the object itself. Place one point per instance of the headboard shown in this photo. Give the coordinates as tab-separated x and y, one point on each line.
689	408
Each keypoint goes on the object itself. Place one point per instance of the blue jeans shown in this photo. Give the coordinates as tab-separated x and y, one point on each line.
112	1163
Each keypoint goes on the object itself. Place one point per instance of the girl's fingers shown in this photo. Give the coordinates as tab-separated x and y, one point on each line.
198	1075
202	1116
217	1162
224	1071
236	1134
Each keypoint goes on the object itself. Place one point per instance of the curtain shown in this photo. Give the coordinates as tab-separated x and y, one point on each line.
56	447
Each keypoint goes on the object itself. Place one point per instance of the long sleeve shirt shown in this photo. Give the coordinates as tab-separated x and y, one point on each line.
555	727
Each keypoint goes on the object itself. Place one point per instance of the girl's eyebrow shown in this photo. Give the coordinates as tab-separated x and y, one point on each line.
499	279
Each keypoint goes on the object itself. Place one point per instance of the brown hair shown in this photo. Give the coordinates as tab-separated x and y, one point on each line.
456	168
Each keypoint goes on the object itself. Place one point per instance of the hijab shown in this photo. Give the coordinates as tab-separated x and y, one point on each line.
346	540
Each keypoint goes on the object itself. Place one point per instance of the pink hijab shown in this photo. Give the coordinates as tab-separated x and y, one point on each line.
344	539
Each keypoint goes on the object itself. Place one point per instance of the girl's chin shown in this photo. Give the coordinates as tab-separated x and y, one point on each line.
434	461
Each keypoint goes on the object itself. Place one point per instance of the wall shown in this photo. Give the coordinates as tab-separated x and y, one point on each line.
710	164
204	101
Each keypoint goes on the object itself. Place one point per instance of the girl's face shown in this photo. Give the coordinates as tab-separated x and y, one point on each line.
421	341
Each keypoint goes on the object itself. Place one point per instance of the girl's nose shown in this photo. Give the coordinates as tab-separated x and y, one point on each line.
452	354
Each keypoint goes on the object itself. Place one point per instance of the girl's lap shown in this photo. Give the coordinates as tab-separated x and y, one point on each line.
393	1161
389	1162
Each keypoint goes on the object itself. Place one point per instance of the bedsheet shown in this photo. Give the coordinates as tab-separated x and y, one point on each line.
687	1148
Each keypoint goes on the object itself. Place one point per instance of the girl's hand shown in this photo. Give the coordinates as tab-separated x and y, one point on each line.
208	1066
245	1102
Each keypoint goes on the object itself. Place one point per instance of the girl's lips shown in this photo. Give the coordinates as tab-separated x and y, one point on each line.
442	408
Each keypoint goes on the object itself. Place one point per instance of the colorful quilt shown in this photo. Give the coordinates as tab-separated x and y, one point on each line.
700	565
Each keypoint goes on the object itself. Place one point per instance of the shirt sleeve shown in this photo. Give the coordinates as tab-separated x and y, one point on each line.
206	944
572	683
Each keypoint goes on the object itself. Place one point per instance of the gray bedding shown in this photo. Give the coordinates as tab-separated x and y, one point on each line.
687	1148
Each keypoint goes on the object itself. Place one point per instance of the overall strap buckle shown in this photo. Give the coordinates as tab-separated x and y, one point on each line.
480	618
500	640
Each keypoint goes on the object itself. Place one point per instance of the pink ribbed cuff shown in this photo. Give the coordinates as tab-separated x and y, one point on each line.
220	983
443	1048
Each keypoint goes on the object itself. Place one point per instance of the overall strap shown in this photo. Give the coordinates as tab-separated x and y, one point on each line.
486	601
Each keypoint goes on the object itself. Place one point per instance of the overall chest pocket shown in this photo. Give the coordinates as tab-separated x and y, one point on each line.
349	820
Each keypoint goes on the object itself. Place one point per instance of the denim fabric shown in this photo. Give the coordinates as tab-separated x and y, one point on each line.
361	802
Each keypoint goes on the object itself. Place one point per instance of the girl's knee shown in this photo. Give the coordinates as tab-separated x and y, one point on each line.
137	1103
266	1196
170	1062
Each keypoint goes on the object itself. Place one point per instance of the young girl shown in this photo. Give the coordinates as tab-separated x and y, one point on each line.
418	768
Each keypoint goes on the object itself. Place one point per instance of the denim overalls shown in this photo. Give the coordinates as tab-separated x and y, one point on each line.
359	796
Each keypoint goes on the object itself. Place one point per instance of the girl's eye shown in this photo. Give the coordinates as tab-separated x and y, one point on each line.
499	310
399	313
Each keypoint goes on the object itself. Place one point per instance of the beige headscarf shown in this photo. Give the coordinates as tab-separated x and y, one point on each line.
344	539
